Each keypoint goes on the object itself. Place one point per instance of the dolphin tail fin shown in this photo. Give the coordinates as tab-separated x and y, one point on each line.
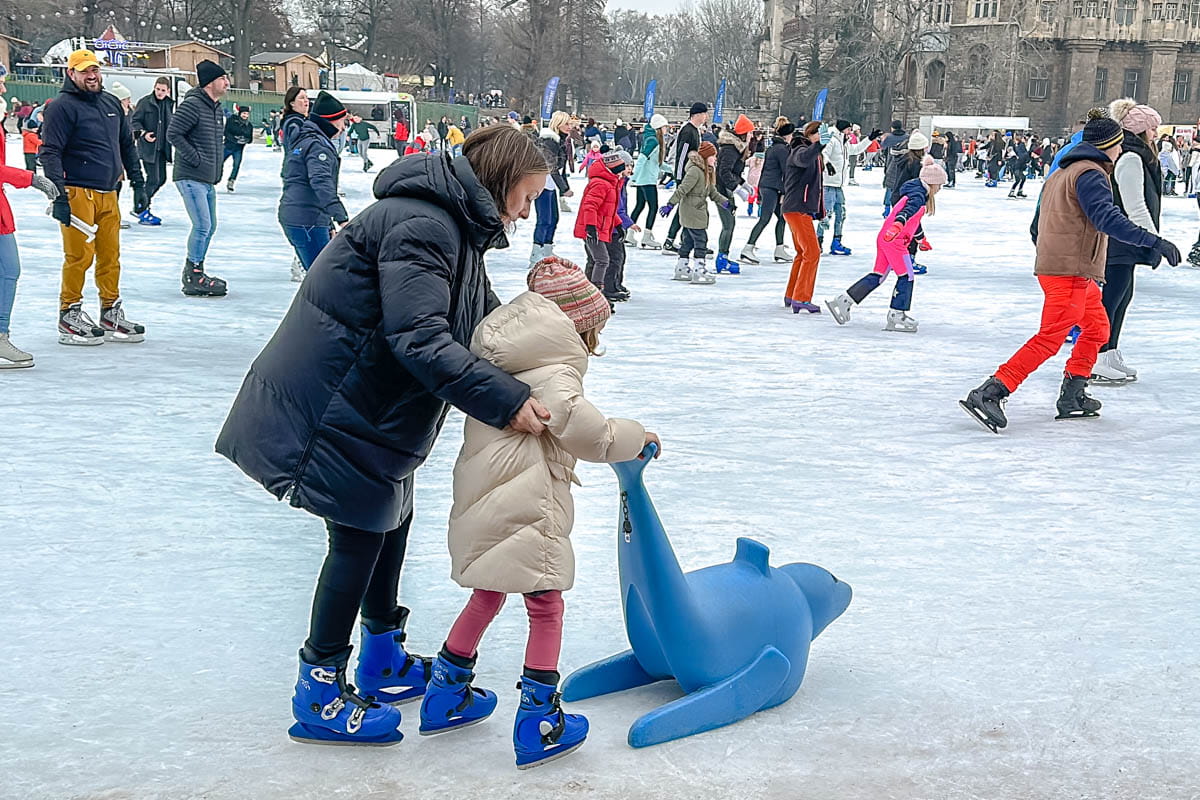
613	674
733	699
756	554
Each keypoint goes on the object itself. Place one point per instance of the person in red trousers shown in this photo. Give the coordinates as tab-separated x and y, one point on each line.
803	202
1071	229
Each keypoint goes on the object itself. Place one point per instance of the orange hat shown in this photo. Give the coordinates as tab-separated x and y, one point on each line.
743	125
82	59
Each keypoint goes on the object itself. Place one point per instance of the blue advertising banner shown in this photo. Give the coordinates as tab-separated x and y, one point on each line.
548	98
648	104
719	109
819	106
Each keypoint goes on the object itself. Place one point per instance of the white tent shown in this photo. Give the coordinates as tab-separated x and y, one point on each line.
357	78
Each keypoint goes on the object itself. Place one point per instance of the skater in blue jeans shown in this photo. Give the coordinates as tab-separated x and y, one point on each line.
310	206
197	133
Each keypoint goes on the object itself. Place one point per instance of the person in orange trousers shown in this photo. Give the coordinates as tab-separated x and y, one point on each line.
803	202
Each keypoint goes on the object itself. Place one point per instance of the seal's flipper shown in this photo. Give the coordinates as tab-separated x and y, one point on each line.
733	699
613	674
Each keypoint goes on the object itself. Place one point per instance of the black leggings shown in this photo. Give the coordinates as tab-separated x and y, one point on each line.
770	199
646	196
1018	179
1118	291
361	573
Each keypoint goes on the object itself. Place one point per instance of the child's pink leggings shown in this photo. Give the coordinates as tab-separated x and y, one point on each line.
545	626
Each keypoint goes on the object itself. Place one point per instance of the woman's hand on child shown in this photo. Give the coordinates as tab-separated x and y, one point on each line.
652	438
666	210
530	419
893	232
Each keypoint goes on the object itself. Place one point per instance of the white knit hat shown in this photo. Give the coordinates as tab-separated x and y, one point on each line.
658	121
918	141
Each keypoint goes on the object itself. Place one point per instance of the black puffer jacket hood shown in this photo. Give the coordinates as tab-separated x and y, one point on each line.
348	397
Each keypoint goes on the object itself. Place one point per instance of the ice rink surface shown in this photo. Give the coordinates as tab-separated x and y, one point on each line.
1025	614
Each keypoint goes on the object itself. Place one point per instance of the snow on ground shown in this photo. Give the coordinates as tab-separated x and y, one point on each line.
1024	621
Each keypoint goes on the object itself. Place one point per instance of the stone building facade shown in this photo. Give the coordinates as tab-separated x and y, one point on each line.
1049	60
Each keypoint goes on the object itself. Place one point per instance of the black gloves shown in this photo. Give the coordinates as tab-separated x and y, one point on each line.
593	236
875	134
1168	251
61	210
830	168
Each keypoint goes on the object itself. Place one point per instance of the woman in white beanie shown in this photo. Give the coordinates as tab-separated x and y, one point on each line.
646	173
1137	182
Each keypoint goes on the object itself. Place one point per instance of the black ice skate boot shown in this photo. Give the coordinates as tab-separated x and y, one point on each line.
1194	256
1073	401
197	284
986	404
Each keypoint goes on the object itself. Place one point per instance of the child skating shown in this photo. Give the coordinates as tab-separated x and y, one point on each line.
1074	220
901	227
699	185
512	515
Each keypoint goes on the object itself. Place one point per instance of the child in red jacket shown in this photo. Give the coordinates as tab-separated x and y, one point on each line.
31	143
597	217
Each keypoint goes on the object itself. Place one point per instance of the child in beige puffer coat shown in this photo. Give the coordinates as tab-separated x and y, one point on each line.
512	515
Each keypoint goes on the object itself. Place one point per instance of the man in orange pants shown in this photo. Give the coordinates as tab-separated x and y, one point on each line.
803	202
1071	229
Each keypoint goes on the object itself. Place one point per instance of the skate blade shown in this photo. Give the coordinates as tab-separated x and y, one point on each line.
300	733
386	699
79	341
554	757
6	364
984	423
203	293
1097	380
840	320
900	330
448	729
124	338
1079	415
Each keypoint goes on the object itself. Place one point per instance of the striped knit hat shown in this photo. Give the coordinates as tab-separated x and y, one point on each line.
564	282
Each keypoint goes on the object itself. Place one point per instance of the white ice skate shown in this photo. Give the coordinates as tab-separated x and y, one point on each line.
701	276
748	254
649	242
1106	372
840	307
298	272
1118	361
683	272
900	322
782	254
11	356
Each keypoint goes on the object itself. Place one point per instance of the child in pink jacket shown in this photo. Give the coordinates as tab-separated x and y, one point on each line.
902	226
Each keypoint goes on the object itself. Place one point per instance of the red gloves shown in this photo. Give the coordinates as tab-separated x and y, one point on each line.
893	232
924	245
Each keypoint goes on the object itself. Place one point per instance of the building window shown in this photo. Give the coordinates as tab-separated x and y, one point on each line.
1100	94
1183	87
1039	84
1173	11
938	12
987	9
977	61
1156	11
1046	10
935	80
1133	82
1195	16
1126	11
1077	9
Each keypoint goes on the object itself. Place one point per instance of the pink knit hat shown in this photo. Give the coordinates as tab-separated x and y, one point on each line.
564	282
932	172
1135	117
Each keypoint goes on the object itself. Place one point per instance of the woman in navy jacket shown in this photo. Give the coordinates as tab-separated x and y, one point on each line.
310	205
348	397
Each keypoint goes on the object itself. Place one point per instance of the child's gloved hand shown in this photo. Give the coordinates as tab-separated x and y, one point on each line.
666	210
924	245
893	232
593	235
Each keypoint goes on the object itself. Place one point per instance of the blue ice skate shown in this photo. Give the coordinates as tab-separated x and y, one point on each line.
725	265
329	711
734	636
451	702
386	671
836	248
542	732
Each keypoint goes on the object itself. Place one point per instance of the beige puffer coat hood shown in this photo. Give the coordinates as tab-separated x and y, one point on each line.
512	514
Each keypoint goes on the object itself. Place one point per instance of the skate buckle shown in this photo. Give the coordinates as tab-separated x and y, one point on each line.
321	675
332	708
355	721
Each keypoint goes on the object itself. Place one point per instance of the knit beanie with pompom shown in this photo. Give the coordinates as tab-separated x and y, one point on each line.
563	282
932	173
1135	117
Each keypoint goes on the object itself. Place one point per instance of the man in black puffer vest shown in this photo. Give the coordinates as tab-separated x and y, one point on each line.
197	132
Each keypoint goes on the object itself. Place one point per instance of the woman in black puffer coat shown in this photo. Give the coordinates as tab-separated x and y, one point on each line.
347	398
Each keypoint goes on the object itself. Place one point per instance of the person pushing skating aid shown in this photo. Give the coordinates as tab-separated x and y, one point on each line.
1073	223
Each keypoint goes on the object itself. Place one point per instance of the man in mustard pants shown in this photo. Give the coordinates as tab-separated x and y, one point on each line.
87	146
